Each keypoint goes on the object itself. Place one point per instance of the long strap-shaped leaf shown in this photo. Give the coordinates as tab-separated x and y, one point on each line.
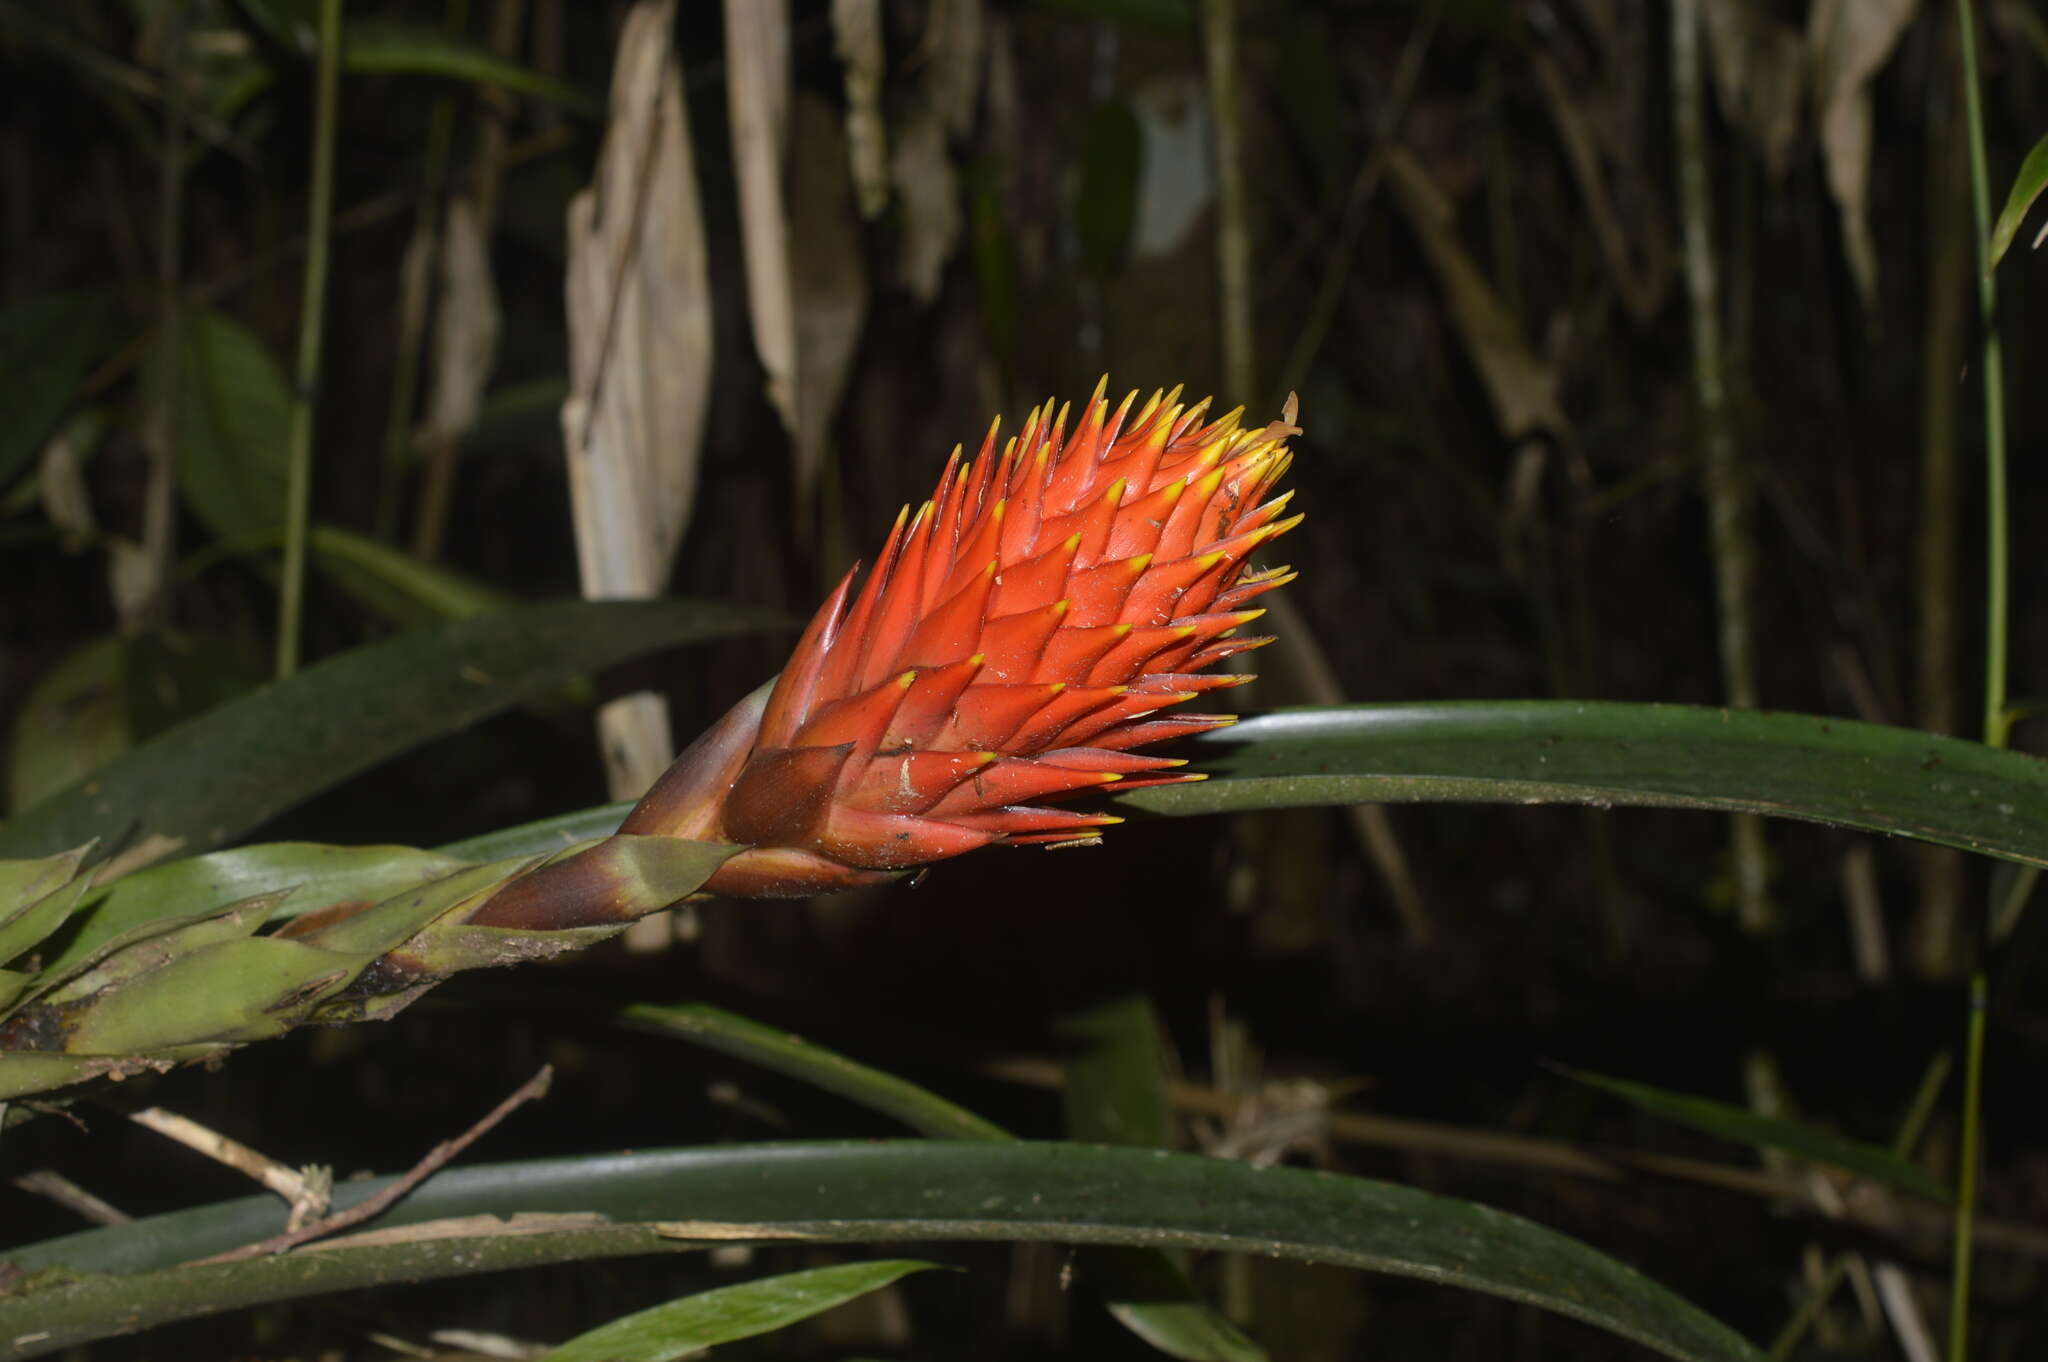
208	781
1855	775
895	1191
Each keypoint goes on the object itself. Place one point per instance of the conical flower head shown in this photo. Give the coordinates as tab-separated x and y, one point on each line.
1022	632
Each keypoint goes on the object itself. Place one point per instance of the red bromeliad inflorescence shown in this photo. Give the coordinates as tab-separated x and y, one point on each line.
1019	635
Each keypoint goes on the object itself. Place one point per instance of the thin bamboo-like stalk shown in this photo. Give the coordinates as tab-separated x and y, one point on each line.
312	316
1302	657
1233	226
1936	940
444	443
160	504
415	288
1997	718
1723	481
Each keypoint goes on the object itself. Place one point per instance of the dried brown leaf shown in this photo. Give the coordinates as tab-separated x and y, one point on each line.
757	91
1848	42
640	360
829	279
1759	66
857	39
1522	388
927	189
466	324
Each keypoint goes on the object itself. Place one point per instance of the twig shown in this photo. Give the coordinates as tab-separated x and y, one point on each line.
47	1182
438	1157
306	1193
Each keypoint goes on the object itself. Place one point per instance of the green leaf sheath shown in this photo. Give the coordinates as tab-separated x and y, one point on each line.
911	1191
210	780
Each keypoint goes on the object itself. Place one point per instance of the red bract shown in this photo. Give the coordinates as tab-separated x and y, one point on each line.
1019	635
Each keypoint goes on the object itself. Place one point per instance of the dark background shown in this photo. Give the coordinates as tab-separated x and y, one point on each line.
1446	555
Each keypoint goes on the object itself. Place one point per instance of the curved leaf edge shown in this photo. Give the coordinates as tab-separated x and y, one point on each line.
851	1192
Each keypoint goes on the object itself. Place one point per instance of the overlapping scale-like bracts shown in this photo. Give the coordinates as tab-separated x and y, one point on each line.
1043	615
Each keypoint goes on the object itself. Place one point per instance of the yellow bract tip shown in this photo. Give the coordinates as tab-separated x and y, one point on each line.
977	659
906	679
986	757
1139	563
1062	607
1123	629
1193	776
1107	777
1176	761
1114	493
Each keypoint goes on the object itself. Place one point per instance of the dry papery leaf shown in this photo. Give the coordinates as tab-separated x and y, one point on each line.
857	39
1522	388
929	192
1848	42
1759	66
640	357
757	93
466	323
829	280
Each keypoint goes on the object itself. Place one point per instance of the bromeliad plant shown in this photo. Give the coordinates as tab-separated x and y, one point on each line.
1041	617
1019	638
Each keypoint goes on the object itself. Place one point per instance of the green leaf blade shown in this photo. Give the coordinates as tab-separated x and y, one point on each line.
1747	1127
45	346
746	1310
1842	772
899	1191
2026	187
1898	781
210	780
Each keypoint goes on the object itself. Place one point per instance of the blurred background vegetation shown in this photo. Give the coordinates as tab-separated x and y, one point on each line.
1460	229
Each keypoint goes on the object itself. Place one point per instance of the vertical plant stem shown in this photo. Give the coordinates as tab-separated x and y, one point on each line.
312	315
159	511
1996	720
415	287
1726	497
1233	228
1966	1174
1997	552
1936	945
